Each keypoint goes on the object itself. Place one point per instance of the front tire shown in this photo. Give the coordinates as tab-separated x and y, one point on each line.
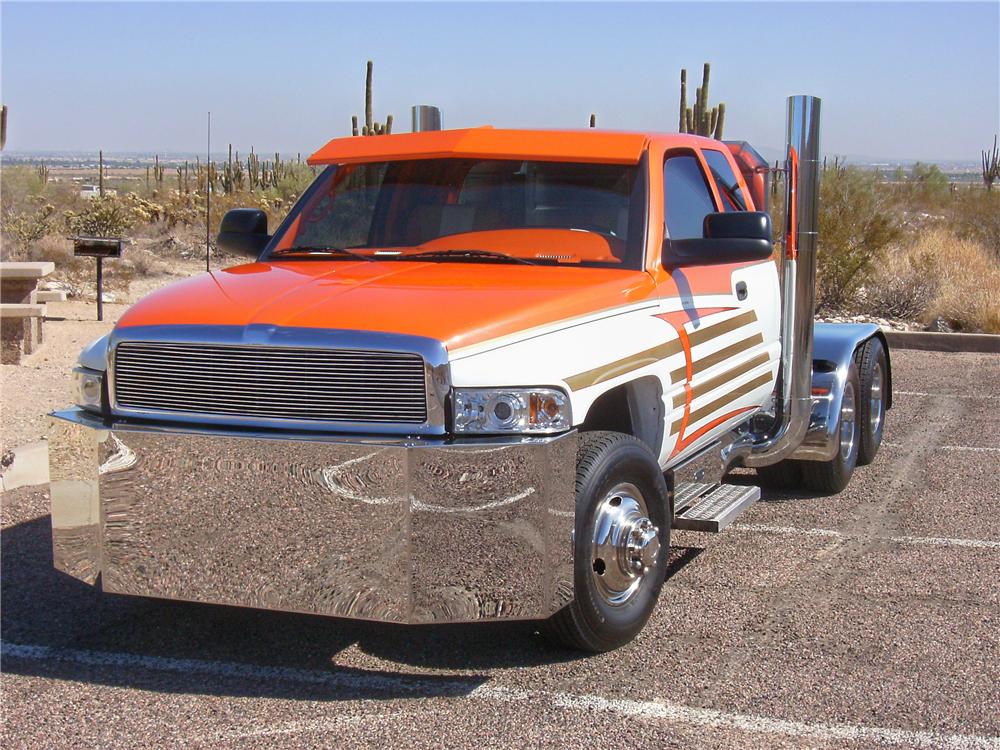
622	539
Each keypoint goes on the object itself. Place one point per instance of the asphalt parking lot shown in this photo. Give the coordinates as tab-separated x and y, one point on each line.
868	619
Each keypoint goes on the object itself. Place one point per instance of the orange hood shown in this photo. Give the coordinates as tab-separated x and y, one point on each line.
459	304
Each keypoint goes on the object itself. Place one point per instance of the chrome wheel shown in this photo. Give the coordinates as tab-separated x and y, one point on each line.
625	544
875	400
847	422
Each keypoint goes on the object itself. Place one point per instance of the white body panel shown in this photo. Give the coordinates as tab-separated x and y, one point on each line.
734	357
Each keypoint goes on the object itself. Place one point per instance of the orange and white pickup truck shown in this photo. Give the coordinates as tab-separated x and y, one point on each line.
474	375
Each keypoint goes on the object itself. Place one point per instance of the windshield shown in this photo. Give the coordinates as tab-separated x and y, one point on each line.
470	210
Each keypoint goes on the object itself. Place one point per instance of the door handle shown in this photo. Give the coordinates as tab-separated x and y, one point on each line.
741	290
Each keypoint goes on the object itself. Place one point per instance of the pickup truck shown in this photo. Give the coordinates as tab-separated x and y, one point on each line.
474	375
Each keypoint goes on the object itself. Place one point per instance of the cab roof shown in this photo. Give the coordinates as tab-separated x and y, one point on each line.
595	146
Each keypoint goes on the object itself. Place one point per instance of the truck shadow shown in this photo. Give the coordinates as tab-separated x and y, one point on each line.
770	494
57	627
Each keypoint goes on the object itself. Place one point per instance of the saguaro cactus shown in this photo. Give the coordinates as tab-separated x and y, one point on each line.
991	165
593	120
700	119
157	171
100	173
3	126
370	127
253	169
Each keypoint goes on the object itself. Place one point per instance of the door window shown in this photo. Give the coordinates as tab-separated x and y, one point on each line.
687	197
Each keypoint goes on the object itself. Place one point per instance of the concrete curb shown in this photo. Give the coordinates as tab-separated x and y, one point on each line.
987	343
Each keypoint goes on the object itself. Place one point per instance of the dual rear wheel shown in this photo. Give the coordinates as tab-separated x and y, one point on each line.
859	433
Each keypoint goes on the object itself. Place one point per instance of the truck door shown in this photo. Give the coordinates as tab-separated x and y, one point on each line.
726	314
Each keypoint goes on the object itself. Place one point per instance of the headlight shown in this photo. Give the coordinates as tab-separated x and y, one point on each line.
89	388
509	410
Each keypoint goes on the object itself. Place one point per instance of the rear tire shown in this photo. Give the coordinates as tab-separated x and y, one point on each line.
622	540
831	477
873	370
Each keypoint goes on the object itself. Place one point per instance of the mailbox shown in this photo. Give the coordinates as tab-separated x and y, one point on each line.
97	247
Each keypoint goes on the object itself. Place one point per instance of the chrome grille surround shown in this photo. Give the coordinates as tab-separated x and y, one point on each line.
324	379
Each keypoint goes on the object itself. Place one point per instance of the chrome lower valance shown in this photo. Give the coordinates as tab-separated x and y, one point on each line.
409	532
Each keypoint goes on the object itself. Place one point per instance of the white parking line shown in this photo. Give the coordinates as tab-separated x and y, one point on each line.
465	688
973	448
935	541
943	395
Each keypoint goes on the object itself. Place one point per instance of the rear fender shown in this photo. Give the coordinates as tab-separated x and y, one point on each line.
834	345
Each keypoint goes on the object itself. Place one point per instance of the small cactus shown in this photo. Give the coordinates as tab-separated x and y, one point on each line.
991	165
593	120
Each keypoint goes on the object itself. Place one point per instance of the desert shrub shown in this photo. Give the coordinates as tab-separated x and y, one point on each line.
295	180
143	261
856	226
141	210
22	228
903	286
939	275
974	214
19	186
928	184
101	217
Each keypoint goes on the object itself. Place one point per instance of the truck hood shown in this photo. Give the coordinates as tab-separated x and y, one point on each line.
459	304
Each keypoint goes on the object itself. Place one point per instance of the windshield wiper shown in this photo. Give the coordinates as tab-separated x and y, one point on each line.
303	250
470	254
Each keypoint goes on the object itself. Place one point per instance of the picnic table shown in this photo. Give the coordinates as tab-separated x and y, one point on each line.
21	312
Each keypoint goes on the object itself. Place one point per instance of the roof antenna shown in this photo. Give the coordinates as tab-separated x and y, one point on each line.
208	200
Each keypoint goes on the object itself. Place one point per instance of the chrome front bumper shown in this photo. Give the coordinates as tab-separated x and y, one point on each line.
407	532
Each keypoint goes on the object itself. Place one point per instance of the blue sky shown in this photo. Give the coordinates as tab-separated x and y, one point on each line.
898	80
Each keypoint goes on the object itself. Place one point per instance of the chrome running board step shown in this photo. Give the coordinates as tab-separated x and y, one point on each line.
710	507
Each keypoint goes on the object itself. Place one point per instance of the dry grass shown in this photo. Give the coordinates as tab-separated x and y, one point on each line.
939	275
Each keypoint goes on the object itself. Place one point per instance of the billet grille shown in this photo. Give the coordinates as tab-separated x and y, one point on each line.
281	383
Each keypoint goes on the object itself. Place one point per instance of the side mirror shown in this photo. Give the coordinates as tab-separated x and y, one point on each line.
244	231
730	237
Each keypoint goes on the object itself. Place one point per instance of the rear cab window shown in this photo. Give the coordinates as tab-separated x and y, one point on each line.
726	180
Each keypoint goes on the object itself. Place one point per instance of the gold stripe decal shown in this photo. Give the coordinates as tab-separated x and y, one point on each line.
720	380
657	353
624	365
710	360
710	332
709	409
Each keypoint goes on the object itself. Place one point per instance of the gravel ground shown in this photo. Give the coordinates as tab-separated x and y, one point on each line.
867	619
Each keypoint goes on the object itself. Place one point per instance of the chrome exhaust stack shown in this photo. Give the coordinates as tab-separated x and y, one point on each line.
798	289
425	117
